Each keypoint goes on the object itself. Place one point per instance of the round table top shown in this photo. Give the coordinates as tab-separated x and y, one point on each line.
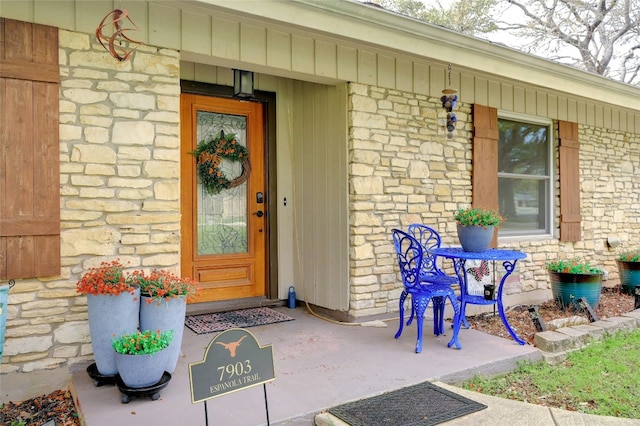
491	254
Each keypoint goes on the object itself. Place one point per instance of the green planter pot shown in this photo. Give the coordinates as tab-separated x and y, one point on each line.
629	275
568	288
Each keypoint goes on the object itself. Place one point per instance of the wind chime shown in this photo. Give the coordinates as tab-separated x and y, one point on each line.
117	17
449	100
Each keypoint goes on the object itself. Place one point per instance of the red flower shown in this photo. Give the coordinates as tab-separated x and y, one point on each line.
108	278
162	284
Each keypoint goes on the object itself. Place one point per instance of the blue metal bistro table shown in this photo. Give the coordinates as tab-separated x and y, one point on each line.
459	257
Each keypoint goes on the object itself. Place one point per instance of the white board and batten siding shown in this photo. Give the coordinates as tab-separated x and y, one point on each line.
223	34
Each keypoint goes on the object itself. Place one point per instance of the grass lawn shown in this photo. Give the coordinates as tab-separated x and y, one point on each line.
600	379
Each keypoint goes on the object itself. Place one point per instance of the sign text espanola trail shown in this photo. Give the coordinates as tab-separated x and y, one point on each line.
233	361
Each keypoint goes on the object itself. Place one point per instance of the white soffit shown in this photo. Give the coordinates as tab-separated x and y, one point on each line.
375	27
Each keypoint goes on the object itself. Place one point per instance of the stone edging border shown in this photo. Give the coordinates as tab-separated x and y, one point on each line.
555	345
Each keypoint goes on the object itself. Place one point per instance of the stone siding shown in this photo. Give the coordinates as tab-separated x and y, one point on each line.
405	170
120	192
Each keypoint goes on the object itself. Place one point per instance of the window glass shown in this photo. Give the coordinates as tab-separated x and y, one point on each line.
524	176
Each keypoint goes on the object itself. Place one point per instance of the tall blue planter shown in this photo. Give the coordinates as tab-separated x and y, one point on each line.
629	275
4	297
163	315
109	317
568	288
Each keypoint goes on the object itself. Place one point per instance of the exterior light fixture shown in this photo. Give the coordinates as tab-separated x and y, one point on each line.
449	100
242	84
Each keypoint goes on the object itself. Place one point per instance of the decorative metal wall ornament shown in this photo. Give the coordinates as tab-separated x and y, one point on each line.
449	100
209	156
117	17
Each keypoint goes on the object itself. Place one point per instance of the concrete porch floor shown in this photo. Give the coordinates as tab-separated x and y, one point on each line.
318	365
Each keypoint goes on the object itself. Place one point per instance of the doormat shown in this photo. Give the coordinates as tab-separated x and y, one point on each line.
423	404
221	321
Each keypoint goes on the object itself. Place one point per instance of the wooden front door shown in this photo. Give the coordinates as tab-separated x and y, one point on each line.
223	233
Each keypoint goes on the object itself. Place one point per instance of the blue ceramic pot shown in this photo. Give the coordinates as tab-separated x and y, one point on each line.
475	238
629	275
4	297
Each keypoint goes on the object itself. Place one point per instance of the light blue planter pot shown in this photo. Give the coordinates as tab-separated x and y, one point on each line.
110	317
475	238
139	371
165	315
4	297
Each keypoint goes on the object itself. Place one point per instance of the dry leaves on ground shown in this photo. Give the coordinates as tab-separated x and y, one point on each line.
612	303
38	411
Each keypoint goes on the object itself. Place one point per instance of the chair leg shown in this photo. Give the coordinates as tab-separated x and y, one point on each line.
420	306
413	313
403	297
438	315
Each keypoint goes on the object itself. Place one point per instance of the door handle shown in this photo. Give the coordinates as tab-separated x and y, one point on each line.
259	213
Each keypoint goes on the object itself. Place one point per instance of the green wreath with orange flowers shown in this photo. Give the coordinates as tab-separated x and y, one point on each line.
209	156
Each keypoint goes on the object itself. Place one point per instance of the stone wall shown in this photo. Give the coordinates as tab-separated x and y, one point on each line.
119	185
404	170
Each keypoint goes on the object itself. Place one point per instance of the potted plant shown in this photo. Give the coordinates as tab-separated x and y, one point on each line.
476	226
113	304
574	278
629	268
141	357
163	306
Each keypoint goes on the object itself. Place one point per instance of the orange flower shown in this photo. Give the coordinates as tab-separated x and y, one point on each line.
162	284
108	278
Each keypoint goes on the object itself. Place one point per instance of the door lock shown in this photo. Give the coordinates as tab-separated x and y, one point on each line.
259	213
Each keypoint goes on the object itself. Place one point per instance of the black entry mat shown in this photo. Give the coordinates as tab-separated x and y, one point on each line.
209	323
424	404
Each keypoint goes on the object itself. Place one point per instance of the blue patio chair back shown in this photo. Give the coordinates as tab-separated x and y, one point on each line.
429	239
410	257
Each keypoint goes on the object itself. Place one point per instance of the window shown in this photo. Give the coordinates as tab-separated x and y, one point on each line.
485	176
525	175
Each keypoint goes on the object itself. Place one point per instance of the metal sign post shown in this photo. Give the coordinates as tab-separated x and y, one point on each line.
234	360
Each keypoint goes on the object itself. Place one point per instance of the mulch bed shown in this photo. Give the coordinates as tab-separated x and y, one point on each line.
612	303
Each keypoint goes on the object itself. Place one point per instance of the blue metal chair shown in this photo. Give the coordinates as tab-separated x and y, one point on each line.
430	272
410	257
